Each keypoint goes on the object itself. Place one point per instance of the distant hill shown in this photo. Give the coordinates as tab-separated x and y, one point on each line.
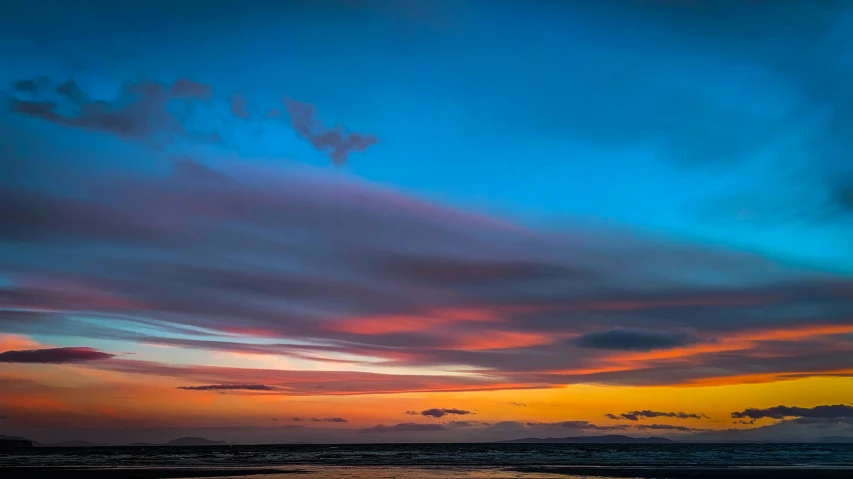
608	439
194	441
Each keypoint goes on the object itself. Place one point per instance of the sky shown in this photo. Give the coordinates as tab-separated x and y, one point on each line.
426	221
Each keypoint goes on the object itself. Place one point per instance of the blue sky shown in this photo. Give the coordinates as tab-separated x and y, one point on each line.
600	110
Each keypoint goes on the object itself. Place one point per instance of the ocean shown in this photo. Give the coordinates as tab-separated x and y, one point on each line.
441	461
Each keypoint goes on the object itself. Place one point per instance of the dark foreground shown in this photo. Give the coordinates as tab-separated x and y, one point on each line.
421	472
438	461
139	473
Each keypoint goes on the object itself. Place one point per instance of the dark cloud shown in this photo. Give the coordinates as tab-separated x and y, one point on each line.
436	412
637	415
229	387
334	142
836	411
54	356
404	427
633	340
667	427
518	404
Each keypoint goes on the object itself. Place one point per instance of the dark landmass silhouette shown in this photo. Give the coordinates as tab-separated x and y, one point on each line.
608	439
15	443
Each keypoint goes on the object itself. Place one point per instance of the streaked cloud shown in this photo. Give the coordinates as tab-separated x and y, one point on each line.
54	356
514	322
229	387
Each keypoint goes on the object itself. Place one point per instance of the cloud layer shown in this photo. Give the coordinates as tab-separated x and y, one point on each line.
300	265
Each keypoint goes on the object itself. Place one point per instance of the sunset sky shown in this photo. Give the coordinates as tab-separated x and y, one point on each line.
380	221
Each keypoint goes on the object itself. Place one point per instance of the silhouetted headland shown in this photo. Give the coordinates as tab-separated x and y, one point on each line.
15	443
